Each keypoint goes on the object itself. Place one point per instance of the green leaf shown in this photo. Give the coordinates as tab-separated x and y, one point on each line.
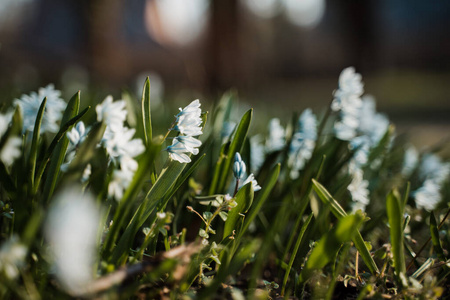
35	142
394	209
435	238
328	246
339	213
243	197
146	112
60	150
294	252
235	146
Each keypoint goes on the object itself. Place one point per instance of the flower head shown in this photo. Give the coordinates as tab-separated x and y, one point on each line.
71	231
11	150
239	167
428	196
12	257
53	109
193	109
177	151
276	140
189	124
113	113
77	135
120	143
251	178
358	188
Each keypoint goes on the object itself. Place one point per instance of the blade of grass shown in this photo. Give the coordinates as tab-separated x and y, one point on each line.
146	112
339	212
35	142
60	150
243	197
435	238
294	252
394	210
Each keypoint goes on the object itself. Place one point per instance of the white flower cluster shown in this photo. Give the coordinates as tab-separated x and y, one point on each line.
303	142
53	109
119	144
71	232
188	123
276	139
11	148
435	173
361	125
239	170
347	101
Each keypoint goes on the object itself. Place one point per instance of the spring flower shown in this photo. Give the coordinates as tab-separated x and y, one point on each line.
11	150
361	146
113	113
120	143
177	151
121	179
251	178
303	142
188	124
256	153
190	143
12	257
77	135
358	190
239	167
193	109
372	124
428	196
53	109
71	232
86	173
410	161
348	103
5	120
276	140
433	168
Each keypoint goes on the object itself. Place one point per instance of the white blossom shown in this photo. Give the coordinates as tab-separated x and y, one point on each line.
121	179
276	139
71	232
348	103
256	153
5	121
428	196
303	142
189	124
372	124
177	151
86	173
251	178
190	143
120	143
77	135
112	113
192	109
53	109
358	189
410	161
12	257
11	150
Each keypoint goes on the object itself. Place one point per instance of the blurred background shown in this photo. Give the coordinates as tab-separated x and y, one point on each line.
284	55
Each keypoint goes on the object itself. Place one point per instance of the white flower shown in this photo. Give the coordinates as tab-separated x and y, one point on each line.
120	143
371	123
53	109
121	179
347	101
177	151
86	173
276	140
256	153
239	167
251	178
77	135
193	109
189	124
71	231
303	142
11	150
358	188
12	257
190	143
5	120
361	145
113	113
433	168
428	196
410	161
